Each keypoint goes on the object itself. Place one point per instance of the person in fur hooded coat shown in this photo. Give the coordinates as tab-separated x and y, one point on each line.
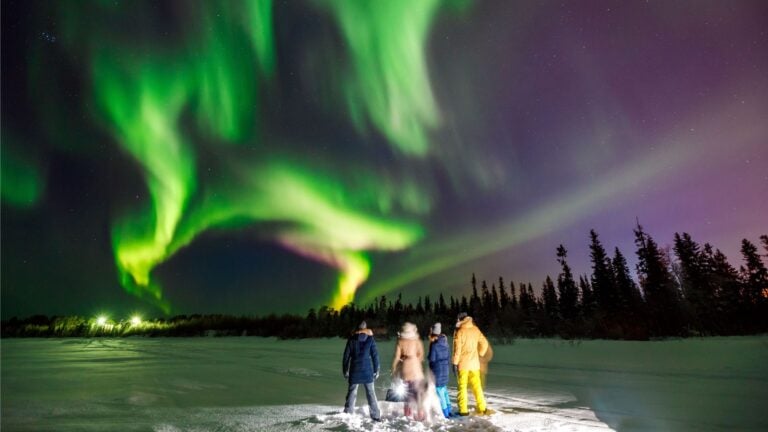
409	355
360	365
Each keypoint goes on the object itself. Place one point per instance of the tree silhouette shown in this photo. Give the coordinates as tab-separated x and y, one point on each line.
503	296
549	298
566	286
659	290
712	298
603	278
698	292
755	285
587	298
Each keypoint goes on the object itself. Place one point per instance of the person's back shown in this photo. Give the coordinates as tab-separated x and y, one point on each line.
411	353
439	360
469	344
359	357
360	365
439	363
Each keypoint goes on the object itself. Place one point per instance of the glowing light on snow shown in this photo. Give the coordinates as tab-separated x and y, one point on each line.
399	389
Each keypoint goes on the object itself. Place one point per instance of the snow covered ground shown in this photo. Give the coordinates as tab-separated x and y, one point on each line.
254	384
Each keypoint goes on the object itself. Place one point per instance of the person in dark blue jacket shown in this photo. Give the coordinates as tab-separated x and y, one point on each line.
439	363
361	366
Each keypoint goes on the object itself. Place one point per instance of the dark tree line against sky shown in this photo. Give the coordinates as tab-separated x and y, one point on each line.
686	290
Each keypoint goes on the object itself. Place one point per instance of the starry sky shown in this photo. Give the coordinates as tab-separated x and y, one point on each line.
272	156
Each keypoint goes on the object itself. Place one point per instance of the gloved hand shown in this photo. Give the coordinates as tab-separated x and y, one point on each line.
376	375
346	374
456	371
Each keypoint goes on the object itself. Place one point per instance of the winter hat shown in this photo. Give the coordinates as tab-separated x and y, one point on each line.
362	326
409	331
459	319
437	329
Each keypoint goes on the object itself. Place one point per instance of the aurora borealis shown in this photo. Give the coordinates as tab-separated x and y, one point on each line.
260	156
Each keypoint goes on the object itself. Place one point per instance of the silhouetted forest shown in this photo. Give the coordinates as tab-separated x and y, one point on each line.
686	289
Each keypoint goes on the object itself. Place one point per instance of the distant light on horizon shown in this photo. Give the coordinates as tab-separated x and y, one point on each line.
135	320
101	320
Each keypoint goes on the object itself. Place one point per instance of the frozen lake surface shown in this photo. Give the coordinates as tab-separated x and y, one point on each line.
255	384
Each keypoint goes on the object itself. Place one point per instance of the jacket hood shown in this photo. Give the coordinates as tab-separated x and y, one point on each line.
409	331
466	323
442	340
362	334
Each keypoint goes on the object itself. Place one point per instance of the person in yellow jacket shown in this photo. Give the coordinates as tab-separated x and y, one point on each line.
469	344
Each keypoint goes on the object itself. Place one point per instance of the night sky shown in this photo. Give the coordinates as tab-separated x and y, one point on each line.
262	157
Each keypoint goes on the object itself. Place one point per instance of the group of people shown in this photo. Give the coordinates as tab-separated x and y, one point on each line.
361	366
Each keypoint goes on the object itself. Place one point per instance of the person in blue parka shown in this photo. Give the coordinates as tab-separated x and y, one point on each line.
439	363
361	366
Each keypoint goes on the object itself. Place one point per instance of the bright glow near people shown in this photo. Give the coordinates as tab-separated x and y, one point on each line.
135	320
101	320
399	388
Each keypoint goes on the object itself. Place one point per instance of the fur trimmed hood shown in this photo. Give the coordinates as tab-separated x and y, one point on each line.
409	331
365	331
466	322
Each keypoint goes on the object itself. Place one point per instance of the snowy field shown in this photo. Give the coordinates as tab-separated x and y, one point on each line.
254	384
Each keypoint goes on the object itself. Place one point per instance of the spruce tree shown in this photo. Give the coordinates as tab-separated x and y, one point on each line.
695	282
525	300
474	299
755	275
629	298
602	276
534	303
485	302
725	280
494	299
587	297
569	295
662	299
549	298
513	295
441	305
755	283
503	296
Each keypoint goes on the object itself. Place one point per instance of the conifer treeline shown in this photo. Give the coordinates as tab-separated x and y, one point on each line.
686	290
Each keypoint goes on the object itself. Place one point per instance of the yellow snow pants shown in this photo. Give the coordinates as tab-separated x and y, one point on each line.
471	377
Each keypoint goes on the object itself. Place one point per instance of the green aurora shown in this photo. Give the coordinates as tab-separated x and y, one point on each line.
162	104
21	184
388	82
387	146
